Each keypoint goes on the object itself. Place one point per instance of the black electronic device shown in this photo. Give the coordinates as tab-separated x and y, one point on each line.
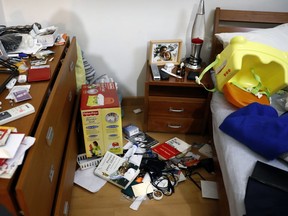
192	75
164	76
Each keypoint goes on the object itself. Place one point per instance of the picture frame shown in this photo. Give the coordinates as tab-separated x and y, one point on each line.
165	51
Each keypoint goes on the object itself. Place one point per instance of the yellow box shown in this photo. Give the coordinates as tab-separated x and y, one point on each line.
101	119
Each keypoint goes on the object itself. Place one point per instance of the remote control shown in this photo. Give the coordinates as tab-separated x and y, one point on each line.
16	113
155	72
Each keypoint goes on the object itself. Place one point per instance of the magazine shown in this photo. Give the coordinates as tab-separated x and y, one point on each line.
117	170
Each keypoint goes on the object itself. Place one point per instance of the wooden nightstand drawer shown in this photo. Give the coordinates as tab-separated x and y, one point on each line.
177	107
175	125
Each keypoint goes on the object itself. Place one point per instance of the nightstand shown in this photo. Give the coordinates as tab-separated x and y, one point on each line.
176	105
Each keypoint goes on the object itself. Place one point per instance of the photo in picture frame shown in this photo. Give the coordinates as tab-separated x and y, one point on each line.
165	51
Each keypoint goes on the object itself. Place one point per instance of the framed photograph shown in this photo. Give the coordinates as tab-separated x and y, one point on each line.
165	51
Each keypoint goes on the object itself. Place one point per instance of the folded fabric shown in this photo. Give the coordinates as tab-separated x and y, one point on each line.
266	191
260	128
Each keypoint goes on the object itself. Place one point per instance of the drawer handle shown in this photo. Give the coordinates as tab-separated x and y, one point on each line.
51	173
70	96
72	66
66	208
50	135
174	126
171	109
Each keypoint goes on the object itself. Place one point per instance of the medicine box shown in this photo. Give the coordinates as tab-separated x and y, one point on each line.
45	36
130	130
101	119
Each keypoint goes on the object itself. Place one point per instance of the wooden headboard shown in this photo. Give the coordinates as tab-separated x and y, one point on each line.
242	21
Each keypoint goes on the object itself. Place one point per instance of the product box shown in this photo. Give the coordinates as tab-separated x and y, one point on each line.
45	36
101	119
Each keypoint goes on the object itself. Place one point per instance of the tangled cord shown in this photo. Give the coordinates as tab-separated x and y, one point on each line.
165	183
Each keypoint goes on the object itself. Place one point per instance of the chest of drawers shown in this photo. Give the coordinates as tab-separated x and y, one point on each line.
43	184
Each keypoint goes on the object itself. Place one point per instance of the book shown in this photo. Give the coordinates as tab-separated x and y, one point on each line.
117	170
143	140
4	134
171	148
12	144
21	95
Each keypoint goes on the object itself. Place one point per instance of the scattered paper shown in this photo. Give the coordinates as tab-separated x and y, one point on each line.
142	189
7	170
89	181
137	202
206	150
209	189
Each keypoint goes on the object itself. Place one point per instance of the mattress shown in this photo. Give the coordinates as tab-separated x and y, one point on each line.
236	160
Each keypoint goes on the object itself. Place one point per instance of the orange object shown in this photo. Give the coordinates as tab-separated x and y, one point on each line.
240	98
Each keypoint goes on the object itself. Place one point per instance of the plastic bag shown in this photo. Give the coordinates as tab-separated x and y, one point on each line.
11	42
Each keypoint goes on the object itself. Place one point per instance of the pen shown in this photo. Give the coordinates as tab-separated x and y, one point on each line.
18	55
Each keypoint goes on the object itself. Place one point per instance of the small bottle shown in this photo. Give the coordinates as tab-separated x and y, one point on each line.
182	73
178	72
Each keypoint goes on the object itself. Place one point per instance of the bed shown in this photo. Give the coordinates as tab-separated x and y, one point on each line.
235	159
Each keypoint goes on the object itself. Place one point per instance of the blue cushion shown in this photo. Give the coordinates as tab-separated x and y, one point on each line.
260	128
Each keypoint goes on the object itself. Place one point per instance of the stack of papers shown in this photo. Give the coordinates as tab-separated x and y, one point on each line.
12	153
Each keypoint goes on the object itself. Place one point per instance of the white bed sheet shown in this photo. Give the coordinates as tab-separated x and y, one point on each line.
235	159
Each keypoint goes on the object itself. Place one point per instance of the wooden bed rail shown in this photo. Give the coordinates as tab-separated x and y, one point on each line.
242	21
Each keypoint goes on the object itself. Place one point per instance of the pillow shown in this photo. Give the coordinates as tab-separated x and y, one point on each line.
276	37
259	128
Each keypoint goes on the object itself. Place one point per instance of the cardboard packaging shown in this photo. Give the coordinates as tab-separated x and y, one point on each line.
101	119
45	36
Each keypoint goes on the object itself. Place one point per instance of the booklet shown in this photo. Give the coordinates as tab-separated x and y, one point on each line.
117	170
172	148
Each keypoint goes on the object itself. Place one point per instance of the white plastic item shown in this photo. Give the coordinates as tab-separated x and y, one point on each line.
11	83
85	163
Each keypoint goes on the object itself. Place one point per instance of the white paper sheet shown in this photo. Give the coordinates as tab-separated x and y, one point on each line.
89	181
209	189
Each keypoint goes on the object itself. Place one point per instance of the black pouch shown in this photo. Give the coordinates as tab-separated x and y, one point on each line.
266	191
153	165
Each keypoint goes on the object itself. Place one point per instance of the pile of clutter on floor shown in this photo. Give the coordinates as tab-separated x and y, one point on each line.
146	169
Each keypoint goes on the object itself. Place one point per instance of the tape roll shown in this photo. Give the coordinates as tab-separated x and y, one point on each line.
157	195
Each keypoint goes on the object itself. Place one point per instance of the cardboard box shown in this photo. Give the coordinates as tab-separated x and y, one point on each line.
101	119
